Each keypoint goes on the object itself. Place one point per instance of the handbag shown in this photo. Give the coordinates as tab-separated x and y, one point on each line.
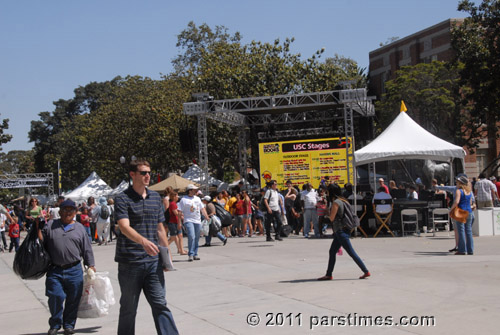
459	215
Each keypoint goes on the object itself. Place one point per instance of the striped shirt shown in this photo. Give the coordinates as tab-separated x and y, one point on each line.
144	215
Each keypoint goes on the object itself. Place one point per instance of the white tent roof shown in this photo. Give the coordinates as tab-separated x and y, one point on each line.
120	188
92	186
194	173
405	139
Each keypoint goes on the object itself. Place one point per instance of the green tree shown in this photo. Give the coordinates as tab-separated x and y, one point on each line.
218	63
44	131
476	42
433	95
17	161
4	138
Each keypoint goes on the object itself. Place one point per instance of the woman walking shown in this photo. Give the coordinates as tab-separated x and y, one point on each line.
341	234
463	199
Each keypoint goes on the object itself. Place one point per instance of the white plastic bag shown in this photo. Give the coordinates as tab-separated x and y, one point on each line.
205	227
166	260
97	295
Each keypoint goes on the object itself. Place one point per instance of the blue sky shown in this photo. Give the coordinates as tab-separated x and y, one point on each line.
49	48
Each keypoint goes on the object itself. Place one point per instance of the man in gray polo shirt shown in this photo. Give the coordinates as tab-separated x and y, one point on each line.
67	243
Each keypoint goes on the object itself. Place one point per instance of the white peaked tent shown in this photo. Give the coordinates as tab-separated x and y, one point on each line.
92	186
194	173
405	139
120	188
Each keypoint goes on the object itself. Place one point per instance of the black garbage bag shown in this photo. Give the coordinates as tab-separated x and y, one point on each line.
32	260
224	216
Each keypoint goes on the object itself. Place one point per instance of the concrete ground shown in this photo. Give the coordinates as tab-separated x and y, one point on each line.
273	286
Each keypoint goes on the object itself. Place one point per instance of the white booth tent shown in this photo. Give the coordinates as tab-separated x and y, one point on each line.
92	186
120	188
406	139
194	173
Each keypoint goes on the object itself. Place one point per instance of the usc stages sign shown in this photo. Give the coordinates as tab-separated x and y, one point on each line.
313	161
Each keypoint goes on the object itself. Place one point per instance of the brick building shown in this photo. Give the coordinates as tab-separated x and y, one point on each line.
425	46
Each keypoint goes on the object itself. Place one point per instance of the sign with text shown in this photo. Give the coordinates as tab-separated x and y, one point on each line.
315	161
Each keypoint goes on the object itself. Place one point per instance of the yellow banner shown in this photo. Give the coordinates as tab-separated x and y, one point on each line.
318	161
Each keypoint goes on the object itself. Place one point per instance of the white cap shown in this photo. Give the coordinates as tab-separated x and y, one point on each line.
207	198
191	187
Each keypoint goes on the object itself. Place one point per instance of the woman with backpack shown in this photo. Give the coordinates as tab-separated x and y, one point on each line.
341	233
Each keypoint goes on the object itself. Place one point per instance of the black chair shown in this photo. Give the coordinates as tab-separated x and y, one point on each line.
360	208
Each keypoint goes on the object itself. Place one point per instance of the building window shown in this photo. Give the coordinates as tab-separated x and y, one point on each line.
427	44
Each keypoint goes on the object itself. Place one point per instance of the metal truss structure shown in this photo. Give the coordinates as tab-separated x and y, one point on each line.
29	180
305	108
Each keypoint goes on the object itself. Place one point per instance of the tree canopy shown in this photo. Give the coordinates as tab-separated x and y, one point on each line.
476	42
433	95
144	117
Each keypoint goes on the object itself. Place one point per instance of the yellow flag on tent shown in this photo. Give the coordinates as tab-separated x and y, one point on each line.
403	106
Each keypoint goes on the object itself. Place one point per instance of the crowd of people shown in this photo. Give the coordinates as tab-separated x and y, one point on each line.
141	221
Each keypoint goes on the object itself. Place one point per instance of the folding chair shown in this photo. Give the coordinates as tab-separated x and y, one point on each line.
360	208
409	213
383	218
438	216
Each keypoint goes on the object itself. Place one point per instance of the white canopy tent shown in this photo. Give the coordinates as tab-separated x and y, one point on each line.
120	188
194	173
92	186
406	139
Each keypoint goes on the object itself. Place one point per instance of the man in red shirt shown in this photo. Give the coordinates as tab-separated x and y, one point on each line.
497	184
381	184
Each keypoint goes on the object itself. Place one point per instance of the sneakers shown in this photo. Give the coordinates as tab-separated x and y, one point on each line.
190	259
453	250
278	238
52	331
325	278
365	275
225	241
459	253
196	258
269	239
68	331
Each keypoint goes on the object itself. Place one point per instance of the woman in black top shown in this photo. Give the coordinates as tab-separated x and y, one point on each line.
341	234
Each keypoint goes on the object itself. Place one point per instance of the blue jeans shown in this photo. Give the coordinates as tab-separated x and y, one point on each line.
14	243
464	230
193	230
221	237
147	277
60	285
341	239
310	214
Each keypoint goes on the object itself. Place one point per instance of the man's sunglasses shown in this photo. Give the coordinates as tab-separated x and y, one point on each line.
143	173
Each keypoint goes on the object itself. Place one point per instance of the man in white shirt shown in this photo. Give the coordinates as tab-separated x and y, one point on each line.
309	198
192	210
485	192
54	211
273	205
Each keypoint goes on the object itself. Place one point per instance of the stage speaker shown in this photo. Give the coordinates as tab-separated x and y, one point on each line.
187	140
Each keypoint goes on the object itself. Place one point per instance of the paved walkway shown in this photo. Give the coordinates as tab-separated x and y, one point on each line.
412	276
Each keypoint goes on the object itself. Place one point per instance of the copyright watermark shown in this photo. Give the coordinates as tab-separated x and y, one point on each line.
349	320
253	319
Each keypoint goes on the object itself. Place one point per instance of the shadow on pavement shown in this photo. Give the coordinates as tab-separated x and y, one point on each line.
432	253
90	330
